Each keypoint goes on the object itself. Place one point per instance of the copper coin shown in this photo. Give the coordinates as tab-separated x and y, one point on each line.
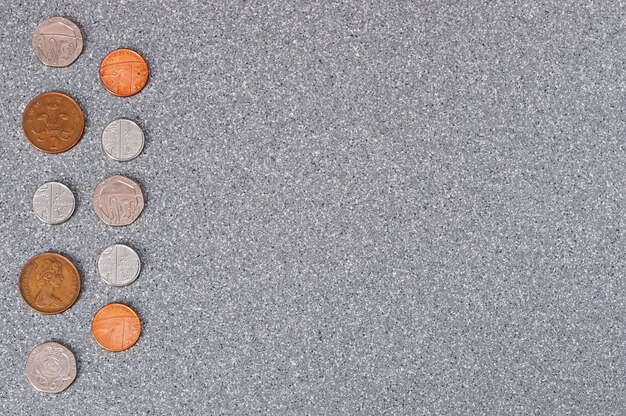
123	72
53	122
116	327
49	283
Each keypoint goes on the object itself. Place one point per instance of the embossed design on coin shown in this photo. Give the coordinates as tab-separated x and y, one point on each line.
57	42
50	367
122	140
123	72
53	203
119	265
53	122
116	327
118	201
49	283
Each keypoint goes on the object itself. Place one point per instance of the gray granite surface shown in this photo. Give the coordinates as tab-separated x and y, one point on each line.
390	207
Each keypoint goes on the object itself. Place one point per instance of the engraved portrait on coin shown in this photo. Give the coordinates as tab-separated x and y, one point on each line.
122	140
123	72
119	265
50	367
118	201
53	122
57	42
49	283
53	203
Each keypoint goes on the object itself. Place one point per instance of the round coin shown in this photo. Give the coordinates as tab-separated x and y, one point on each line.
49	283
57	42
53	122
122	140
119	265
123	72
53	203
118	201
50	367
116	327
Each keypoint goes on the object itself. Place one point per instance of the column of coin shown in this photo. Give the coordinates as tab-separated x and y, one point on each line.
118	201
49	283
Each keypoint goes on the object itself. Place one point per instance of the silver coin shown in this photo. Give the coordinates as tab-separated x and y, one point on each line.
57	42
119	265
118	201
122	140
53	203
50	367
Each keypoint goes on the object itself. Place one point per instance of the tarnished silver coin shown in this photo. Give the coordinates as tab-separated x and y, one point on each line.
118	201
119	265
50	367
57	42
53	203
122	140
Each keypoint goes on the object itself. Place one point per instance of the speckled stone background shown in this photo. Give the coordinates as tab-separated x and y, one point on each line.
404	208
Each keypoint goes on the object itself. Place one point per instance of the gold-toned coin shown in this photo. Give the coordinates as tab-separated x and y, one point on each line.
53	122
123	72
49	283
116	327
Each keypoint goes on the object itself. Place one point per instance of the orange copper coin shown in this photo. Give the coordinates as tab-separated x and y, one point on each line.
49	283
116	327
123	72
53	122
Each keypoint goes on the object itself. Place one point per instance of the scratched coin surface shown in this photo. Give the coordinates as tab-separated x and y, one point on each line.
123	72
53	203
57	42
118	201
116	327
119	265
50	367
53	122
122	140
49	283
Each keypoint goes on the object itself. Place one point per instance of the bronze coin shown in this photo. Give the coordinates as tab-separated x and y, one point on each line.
53	122
123	72
49	283
116	327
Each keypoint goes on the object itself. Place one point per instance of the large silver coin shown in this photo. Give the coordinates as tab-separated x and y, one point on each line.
119	265
50	367
57	42
53	203
118	201
122	140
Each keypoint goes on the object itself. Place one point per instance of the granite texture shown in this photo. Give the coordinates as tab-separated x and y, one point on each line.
390	207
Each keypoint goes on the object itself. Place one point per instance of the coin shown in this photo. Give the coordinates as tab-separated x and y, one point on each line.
49	283
57	42
53	122
50	367
119	265
116	327
123	72
118	201
122	140
53	203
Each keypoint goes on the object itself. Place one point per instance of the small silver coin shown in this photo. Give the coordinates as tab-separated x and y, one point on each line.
57	42
119	265
50	367
53	203
118	201
122	140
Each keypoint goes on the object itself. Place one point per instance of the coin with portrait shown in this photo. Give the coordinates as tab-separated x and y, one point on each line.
49	283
